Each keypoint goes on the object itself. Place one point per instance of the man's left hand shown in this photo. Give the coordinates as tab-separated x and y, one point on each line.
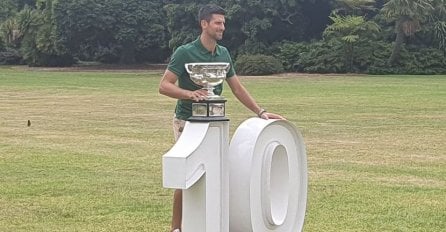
267	116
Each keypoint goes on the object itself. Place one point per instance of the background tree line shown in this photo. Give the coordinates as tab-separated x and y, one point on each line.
264	36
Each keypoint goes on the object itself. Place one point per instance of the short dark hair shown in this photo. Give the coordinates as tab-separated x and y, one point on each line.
208	10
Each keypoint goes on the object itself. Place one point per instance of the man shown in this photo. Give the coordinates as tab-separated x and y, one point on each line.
204	49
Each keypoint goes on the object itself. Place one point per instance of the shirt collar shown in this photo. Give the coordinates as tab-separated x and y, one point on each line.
203	50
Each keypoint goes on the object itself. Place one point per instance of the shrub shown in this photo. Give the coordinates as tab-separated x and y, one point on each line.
371	57
2	44
107	55
413	60
290	53
10	56
258	65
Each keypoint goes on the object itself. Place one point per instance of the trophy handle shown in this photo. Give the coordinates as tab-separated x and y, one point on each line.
187	68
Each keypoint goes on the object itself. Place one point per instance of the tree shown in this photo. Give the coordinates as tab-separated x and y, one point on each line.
41	44
262	23
8	8
252	26
138	28
113	30
182	22
351	32
22	3
438	22
354	7
408	17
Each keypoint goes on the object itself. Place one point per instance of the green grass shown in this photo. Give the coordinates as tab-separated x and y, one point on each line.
91	159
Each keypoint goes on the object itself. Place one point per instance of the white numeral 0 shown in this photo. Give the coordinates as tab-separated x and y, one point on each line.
268	177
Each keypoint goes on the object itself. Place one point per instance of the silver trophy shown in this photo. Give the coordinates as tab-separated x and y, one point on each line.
208	75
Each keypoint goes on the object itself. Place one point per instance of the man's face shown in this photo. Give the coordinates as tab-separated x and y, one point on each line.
215	27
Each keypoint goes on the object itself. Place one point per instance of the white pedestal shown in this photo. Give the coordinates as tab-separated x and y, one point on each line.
197	163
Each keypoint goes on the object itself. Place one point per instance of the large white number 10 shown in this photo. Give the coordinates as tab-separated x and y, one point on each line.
257	183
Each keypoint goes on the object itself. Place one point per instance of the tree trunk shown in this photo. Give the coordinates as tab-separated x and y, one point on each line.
399	41
351	56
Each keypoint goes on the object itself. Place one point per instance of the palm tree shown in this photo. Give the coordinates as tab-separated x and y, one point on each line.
438	19
408	16
354	7
14	28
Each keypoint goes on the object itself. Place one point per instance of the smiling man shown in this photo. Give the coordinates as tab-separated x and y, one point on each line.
204	49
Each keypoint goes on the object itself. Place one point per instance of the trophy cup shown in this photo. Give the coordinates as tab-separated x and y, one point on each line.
208	75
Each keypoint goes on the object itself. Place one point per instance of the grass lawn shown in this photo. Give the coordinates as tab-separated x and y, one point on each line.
91	159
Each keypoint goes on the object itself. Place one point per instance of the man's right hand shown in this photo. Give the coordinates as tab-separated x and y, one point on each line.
198	95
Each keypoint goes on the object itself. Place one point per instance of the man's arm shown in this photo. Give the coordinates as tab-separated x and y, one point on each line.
246	99
169	88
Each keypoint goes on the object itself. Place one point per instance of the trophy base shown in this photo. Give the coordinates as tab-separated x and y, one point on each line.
206	119
208	110
215	98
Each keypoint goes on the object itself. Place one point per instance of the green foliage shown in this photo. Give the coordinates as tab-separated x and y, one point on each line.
290	54
353	44
2	43
355	7
345	48
8	8
413	60
437	25
354	37
251	26
42	44
113	30
408	17
322	57
261	23
258	65
14	28
415	10
182	23
350	28
10	56
440	34
315	57
349	35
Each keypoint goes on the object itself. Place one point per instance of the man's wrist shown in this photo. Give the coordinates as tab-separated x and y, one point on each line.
261	112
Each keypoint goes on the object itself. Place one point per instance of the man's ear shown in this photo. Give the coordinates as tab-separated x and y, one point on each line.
203	23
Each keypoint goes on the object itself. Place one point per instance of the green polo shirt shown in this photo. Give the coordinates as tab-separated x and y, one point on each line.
190	53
